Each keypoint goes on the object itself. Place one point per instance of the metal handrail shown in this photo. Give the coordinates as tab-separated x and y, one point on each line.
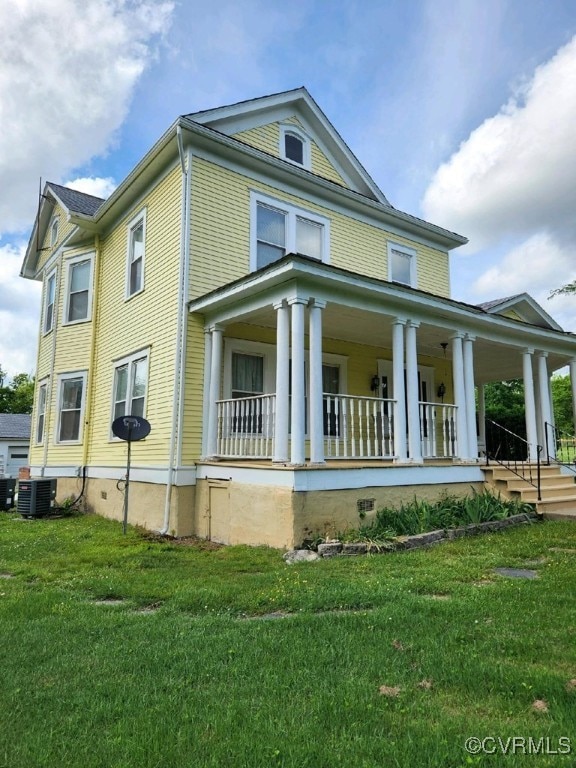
559	436
521	468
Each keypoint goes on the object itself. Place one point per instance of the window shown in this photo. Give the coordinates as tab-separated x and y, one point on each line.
41	412
334	375
71	389
294	145
279	228
247	381
54	231
401	264
79	290
49	302
135	264
130	385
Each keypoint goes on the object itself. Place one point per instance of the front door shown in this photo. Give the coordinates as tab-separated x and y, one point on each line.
425	395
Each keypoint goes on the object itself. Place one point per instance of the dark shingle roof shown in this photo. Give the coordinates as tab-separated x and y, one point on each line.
78	202
15	426
487	305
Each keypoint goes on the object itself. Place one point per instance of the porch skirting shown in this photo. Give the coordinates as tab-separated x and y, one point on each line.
264	504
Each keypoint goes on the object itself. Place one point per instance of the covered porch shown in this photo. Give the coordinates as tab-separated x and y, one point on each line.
307	364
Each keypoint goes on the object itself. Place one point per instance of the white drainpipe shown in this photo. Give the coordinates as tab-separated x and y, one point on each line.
177	399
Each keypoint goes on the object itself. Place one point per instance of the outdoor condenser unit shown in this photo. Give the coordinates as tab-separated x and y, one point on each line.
7	490
36	497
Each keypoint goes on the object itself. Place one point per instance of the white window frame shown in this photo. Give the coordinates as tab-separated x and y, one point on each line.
63	377
407	251
42	391
66	304
294	130
140	218
292	213
50	278
129	360
256	348
54	227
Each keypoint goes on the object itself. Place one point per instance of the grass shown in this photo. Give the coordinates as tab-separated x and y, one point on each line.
188	669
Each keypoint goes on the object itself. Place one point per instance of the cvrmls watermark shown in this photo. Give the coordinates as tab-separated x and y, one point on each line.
518	745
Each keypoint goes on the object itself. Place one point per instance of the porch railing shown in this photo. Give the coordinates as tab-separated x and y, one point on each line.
358	427
246	427
512	452
438	430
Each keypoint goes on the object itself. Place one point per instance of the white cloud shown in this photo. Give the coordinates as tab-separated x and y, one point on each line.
67	74
19	313
93	185
515	176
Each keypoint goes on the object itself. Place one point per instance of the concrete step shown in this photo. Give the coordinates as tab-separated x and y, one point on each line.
566	505
564	491
559	514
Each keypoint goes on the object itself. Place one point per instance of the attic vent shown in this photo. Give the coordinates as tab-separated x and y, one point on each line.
365	505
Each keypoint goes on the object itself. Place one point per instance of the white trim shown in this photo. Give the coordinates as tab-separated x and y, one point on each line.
291	128
292	213
52	275
88	256
182	476
62	377
129	360
412	255
42	385
135	221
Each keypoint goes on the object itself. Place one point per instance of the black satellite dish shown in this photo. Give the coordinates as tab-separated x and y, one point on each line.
130	429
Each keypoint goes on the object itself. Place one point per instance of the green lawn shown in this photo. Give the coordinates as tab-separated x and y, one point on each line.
186	666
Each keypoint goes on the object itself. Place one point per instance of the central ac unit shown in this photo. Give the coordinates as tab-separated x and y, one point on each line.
7	490
36	497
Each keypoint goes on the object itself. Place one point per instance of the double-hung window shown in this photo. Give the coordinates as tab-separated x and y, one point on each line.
247	382
136	251
130	386
71	394
49	300
78	305
279	228
401	264
41	412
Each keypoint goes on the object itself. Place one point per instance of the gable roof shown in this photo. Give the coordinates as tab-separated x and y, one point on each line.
525	307
252	113
15	426
73	200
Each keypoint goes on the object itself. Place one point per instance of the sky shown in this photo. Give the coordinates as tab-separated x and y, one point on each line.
462	111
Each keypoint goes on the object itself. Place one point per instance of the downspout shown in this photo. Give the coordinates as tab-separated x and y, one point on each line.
90	388
175	432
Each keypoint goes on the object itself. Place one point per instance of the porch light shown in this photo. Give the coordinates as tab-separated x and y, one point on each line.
375	383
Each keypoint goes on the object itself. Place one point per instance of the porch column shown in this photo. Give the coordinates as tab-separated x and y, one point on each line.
215	383
282	382
545	403
469	393
529	404
399	389
481	416
316	401
414	441
573	386
297	407
206	389
460	397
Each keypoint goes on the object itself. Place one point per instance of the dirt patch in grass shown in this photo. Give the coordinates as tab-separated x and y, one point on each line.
185	541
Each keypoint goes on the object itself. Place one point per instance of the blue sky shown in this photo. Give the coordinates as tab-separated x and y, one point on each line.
463	112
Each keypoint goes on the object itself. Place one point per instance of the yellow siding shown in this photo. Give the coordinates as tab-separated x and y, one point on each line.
192	427
147	320
512	314
321	166
64	229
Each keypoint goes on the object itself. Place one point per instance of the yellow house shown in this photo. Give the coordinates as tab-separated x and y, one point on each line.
286	331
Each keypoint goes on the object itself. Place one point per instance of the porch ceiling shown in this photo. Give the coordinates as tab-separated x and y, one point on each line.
493	361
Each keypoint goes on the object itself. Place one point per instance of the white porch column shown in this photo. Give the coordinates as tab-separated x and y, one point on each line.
316	404
206	390
545	404
414	440
460	397
482	416
470	398
282	382
573	386
215	383
529	404
297	409
399	389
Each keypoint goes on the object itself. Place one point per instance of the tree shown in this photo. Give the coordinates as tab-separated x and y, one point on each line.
562	398
569	288
18	395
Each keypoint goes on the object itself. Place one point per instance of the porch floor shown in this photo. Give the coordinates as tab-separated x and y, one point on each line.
336	464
